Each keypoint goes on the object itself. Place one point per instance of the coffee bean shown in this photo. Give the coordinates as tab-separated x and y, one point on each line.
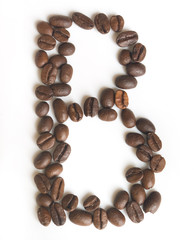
42	160
134	175
75	112
121	99
117	23
102	23
91	107
152	202
60	110
57	189
126	82
46	42
70	202
44	93
80	217
107	114
148	179
41	58
91	203
100	218
61	34
61	152
136	69
57	214
157	163
45	124
46	141
44	28
58	60
134	212
60	21
61	132
154	142
82	21
48	74
124	57
145	126
144	153
138	53
115	217
42	109
107	98
134	139
121	200
128	118
53	170
66	49
44	216
61	89
66	73
138	193
127	38
44	200
42	182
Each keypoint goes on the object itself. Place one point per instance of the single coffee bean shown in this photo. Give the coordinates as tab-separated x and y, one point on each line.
91	107
134	212
117	23
75	112
134	139
124	57
127	38
61	132
126	82
152	202
157	163
102	23
41	58
80	217
82	21
115	217
42	182
145	126
42	109
61	34
44	216
138	193
45	124
60	110
58	60
45	141
91	203
66	73
46	42
60	89
70	202
42	160
144	153
134	175
61	152
106	114
128	118
44	200
44	93
60	21
121	99
136	69
66	49
57	189
53	170
44	28
148	179
138	53
57	214
48	74
100	218
121	200
107	98
154	142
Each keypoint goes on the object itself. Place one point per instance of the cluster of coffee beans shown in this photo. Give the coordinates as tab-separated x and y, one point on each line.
55	150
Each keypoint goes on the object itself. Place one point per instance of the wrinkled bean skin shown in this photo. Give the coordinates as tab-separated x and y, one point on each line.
57	189
144	153
70	202
44	93
82	21
115	217
44	216
139	52
42	182
127	38
154	142
48	74
58	215
91	107
152	202
46	42
121	99
157	163
61	34
102	23
100	218
91	203
117	23
134	174
134	212
75	112
80	217
61	152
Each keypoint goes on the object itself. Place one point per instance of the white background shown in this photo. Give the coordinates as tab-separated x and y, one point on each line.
99	156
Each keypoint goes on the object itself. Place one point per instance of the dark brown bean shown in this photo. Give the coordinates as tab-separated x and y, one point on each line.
136	69
66	73
115	217
138	193
42	160
124	57
127	38
80	217
82	21
61	152
58	60
53	170
144	153
75	112
45	124
41	58
126	82
44	216
70	202
60	89
44	200
42	109
145	126
102	23
60	21
61	132
128	118
42	182
121	200
46	42
60	110
134	212
107	98
138	53
134	175
45	141
61	34
154	142
66	49
91	203
48	74
117	23
134	139
58	215
107	114
57	189
152	202
45	28
44	93
91	107
121	99
100	218
157	163
148	179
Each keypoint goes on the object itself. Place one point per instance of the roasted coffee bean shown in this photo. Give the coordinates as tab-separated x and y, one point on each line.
134	212
144	153
152	202
154	142
107	98
127	38
66	73
42	109
45	124
60	110
121	200
44	28
82	21
44	93
75	112
107	114
60	21
44	216
61	152
58	60
42	182
100	218
157	163
61	89
57	189
57	214
91	107
134	139
44	200
148	179
61	132
121	99
42	160
124	57
136	69
46	42
134	175
126	82
145	126
138	53
102	23
46	141
138	193
91	203
128	118
117	23
66	49
53	170
115	217
80	217
61	34
70	202
41	58
48	74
